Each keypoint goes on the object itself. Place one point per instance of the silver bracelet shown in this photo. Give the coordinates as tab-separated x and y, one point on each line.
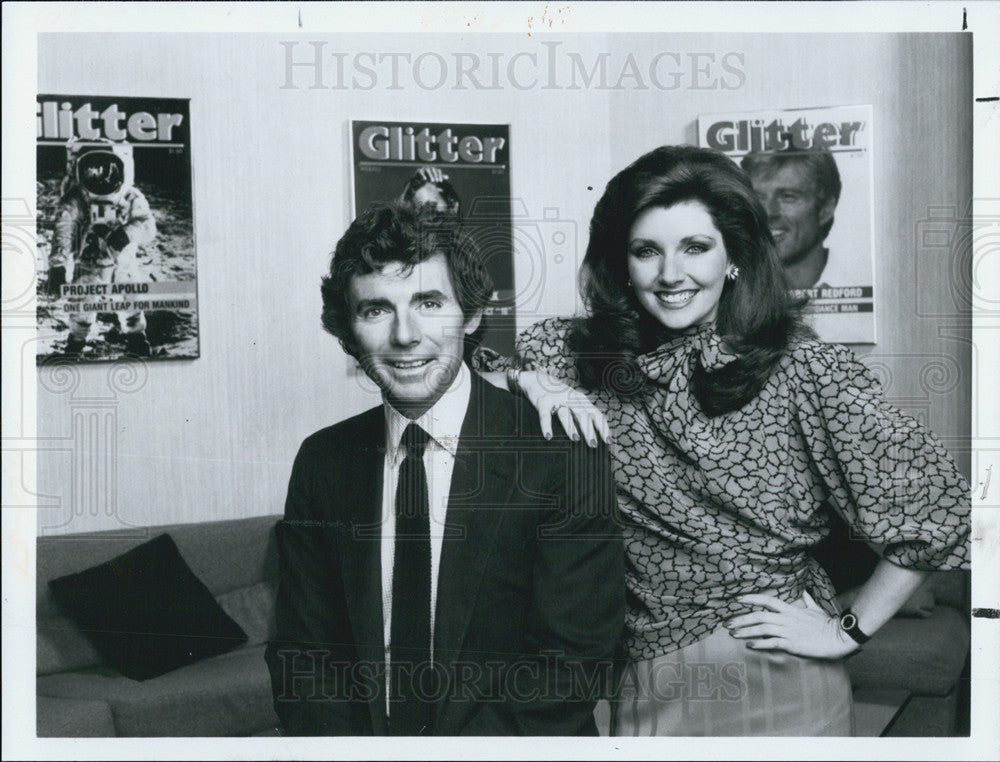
513	376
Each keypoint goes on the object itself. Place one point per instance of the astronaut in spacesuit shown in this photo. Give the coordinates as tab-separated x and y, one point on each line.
429	186
101	222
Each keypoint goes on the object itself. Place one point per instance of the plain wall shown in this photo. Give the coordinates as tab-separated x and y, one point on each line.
214	438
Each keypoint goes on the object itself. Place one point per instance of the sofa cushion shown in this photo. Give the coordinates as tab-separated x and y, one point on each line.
61	646
225	555
920	604
229	555
226	695
73	718
146	612
253	608
925	656
950	588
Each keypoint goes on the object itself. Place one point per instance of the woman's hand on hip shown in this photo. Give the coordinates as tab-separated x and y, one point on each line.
577	414
781	626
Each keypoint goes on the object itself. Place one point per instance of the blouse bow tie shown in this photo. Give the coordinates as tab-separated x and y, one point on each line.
702	343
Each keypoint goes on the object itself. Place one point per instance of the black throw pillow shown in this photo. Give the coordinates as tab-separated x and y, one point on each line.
146	612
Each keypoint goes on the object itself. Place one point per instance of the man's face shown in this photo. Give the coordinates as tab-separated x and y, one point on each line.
408	330
795	212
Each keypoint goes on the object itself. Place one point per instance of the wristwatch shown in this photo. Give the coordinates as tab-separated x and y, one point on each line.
849	624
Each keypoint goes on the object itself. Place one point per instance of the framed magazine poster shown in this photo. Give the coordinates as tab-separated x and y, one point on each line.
461	169
812	169
117	273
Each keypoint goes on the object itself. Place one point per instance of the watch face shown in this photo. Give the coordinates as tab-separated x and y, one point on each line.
848	621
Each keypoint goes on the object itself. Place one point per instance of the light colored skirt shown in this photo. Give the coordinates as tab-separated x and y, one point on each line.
719	687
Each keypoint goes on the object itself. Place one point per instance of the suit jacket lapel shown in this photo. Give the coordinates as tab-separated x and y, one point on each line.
361	562
482	480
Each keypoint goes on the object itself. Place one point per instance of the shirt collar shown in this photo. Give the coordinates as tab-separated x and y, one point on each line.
443	422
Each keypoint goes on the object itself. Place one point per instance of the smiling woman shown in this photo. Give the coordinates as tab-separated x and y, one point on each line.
677	264
706	226
733	431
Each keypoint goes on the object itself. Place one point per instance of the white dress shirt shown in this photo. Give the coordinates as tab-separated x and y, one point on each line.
443	423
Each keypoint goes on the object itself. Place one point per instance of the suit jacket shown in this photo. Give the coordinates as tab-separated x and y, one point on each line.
530	603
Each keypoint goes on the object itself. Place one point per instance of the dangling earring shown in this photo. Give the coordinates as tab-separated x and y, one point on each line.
733	272
629	284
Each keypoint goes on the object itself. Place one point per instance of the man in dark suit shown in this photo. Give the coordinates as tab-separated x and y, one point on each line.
445	569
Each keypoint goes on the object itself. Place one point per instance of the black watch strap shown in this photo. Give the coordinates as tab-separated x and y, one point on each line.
849	624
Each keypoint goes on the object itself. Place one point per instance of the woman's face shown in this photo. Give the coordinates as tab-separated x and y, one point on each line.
677	263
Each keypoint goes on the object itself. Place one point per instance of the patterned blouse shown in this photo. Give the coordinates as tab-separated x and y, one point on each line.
718	507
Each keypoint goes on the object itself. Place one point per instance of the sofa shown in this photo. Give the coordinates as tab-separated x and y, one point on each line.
79	695
925	655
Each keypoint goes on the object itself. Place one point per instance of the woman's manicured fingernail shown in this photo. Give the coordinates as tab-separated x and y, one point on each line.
592	442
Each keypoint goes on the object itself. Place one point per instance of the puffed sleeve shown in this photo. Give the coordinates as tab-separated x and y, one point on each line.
545	345
541	345
486	360
887	475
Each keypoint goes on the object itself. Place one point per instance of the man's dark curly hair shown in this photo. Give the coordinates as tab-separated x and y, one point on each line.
756	315
392	232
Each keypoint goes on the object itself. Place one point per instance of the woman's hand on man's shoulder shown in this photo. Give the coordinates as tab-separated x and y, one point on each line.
552	398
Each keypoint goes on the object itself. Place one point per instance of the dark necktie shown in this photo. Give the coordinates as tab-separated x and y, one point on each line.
410	631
